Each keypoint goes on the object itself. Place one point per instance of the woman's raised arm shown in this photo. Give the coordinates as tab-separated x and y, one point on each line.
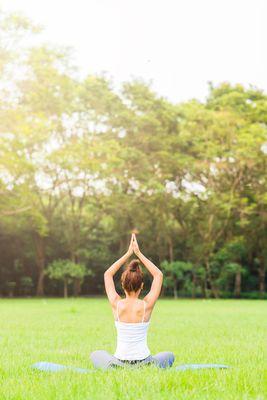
156	285
113	296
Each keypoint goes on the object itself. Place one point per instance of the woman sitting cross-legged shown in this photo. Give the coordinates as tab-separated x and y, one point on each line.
132	315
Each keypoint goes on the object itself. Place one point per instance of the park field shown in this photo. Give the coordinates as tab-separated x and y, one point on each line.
228	332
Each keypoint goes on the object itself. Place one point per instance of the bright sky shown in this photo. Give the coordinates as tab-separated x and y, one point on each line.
179	45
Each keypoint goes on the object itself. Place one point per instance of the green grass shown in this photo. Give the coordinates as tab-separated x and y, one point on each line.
66	331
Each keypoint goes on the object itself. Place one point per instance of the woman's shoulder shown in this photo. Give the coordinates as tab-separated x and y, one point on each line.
123	305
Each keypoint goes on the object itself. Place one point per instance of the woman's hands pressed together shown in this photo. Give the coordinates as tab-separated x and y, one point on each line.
130	249
135	246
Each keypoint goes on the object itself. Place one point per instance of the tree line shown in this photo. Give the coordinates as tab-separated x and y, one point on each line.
83	163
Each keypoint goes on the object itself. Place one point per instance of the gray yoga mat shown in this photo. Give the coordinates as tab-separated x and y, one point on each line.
52	367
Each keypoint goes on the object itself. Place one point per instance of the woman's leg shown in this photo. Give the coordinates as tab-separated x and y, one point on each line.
103	359
164	359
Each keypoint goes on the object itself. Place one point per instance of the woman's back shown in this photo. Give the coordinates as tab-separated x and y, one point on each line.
131	311
131	332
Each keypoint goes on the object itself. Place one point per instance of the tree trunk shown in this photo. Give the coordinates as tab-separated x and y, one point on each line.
204	286
238	279
40	262
65	288
171	260
194	285
40	283
175	288
77	287
203	290
210	280
160	255
170	250
262	276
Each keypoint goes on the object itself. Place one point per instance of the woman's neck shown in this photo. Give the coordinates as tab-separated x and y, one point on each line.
132	295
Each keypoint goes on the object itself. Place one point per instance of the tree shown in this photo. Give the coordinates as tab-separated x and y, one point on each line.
66	271
177	272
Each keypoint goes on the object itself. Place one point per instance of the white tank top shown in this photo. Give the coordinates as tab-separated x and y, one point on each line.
131	339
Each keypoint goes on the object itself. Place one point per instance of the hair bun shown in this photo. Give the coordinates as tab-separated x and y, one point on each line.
134	265
132	277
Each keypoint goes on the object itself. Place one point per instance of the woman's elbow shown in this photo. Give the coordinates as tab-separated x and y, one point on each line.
106	274
159	274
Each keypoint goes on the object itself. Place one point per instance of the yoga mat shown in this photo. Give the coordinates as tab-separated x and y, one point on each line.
200	366
52	367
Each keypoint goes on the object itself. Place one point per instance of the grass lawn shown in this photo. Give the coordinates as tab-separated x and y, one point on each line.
66	331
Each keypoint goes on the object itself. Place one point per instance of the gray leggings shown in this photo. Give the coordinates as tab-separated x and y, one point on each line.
104	360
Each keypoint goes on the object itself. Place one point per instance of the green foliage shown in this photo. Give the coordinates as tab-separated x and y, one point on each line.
82	164
175	273
26	282
65	269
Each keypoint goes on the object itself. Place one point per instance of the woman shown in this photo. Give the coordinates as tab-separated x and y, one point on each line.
132	315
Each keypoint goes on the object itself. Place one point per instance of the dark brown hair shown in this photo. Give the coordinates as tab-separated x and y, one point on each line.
132	277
